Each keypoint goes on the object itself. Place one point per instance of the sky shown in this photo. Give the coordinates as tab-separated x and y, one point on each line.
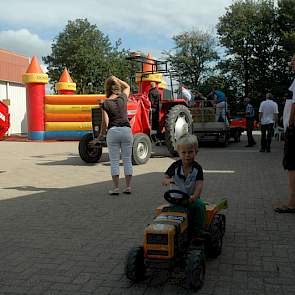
29	27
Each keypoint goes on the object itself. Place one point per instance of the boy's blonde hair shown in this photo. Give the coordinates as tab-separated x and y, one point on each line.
187	139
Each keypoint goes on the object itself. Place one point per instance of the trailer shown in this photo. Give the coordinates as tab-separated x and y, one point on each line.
208	128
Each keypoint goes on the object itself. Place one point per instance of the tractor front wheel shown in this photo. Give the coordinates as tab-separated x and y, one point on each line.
195	269
142	149
178	122
88	153
134	267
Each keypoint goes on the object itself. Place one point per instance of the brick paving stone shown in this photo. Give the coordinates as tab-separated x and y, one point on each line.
62	234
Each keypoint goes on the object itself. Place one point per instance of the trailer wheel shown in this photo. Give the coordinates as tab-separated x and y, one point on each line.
134	267
225	140
195	269
178	122
142	149
88	153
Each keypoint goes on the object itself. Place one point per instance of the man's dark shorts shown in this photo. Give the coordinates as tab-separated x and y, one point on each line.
289	149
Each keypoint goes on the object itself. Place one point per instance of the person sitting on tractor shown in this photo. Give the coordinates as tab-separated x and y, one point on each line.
154	97
187	175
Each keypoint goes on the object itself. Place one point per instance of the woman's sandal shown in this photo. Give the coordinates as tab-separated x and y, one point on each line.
284	209
127	191
114	192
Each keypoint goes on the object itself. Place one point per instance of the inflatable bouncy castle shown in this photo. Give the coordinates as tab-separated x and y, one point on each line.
64	116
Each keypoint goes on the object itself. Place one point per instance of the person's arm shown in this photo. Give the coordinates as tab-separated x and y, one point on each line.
198	190
125	86
276	117
276	114
166	180
201	95
292	115
157	100
169	174
260	113
104	124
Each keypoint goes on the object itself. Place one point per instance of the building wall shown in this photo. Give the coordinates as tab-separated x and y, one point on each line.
12	67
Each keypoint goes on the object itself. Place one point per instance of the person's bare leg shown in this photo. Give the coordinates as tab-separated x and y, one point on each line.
128	181
116	181
291	178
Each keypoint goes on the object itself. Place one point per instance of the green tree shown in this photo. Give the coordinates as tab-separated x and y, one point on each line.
89	56
249	32
192	57
286	21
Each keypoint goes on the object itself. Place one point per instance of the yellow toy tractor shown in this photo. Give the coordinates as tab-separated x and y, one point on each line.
168	242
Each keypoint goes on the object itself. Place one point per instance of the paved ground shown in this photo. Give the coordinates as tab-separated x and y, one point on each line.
60	233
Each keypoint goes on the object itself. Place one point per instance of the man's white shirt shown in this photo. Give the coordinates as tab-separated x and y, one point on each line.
186	93
268	108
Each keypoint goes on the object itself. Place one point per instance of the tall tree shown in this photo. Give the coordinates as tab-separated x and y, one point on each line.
286	21
88	54
192	57
249	32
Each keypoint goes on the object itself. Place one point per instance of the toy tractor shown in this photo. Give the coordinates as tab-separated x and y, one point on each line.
173	120
169	243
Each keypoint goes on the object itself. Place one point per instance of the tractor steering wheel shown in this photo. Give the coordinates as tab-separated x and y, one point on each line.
176	197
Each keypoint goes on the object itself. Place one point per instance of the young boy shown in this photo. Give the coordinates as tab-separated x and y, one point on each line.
187	174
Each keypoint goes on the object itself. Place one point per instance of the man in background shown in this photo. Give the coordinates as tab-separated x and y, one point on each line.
154	97
186	94
268	116
250	116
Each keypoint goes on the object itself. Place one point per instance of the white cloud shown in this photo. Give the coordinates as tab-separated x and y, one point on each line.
153	16
25	26
24	42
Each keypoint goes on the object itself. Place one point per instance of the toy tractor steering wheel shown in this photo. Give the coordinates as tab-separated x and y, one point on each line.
176	197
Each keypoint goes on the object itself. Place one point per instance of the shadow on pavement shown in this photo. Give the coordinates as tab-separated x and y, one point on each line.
76	238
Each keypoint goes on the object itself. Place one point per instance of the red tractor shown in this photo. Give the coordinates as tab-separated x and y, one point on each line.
174	118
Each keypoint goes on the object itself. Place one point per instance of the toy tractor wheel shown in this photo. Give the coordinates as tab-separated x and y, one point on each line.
135	268
88	153
142	149
195	269
178	122
214	246
222	222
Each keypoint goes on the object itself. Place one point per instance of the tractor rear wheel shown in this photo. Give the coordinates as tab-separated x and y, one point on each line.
178	122
195	269
89	154
142	149
135	268
222	222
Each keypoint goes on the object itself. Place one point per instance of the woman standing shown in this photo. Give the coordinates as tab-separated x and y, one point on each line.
119	136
